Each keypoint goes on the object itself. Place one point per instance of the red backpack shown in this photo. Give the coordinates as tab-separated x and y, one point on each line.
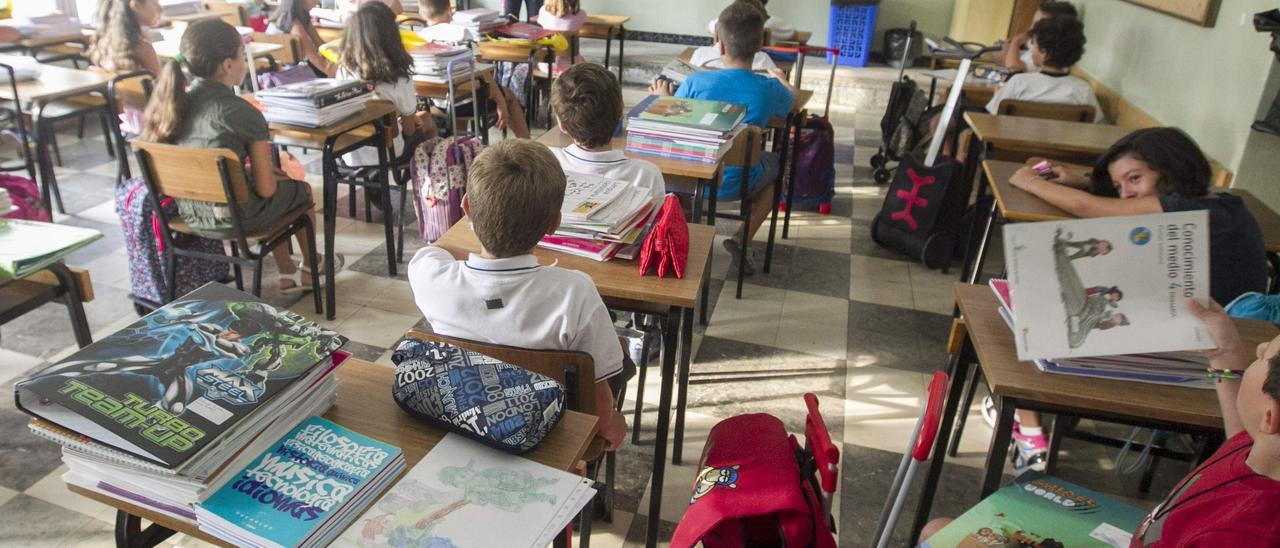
757	486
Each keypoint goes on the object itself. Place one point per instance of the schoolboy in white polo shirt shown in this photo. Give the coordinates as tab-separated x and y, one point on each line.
587	101
502	295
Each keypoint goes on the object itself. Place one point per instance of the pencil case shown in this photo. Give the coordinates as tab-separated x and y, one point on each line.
501	405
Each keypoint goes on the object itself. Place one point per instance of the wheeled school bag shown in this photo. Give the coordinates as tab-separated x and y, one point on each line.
815	169
927	198
25	197
438	179
900	128
757	486
145	249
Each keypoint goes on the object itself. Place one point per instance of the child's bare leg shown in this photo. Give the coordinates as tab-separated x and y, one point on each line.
761	205
1028	419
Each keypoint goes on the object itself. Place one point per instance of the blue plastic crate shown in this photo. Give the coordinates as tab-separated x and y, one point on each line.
851	29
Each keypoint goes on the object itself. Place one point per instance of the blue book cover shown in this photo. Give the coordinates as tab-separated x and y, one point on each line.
299	484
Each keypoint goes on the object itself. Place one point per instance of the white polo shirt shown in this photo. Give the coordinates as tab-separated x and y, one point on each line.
613	164
709	57
1041	87
515	302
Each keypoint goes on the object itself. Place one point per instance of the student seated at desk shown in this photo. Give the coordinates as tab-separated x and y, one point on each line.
210	115
709	56
502	295
1015	53
1231	498
1057	43
293	17
1149	171
587	102
120	44
501	100
372	51
741	30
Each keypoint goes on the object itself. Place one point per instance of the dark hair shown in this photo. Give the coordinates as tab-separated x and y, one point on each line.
119	33
1116	290
1052	8
1271	384
587	100
290	12
1166	150
515	189
741	29
433	8
205	45
371	46
1061	39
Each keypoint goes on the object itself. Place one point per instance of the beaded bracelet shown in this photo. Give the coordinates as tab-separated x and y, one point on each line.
1220	375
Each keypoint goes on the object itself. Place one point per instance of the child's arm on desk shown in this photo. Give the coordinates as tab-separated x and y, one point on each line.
1229	355
1080	203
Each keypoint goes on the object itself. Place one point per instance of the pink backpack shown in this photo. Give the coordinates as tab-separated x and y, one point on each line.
25	196
439	173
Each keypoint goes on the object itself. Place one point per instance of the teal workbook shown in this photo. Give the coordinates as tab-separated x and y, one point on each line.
302	491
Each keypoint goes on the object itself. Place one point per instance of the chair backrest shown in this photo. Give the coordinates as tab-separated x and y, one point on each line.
557	364
192	173
130	89
412	21
746	148
236	14
288	55
1049	111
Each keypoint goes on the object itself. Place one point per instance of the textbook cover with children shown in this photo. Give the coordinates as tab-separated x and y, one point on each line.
1107	286
1043	511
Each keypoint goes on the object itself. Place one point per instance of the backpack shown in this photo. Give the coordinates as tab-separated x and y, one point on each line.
751	491
815	169
25	196
145	248
438	175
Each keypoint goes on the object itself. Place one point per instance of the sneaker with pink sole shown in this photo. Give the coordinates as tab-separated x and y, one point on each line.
1030	452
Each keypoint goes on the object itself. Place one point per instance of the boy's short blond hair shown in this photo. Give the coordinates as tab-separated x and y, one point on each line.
515	191
587	101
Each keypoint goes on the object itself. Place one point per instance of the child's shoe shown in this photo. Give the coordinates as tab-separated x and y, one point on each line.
1030	452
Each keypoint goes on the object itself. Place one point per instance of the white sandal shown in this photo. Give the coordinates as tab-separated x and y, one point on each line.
302	272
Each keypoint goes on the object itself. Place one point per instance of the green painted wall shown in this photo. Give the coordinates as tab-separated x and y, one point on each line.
1208	81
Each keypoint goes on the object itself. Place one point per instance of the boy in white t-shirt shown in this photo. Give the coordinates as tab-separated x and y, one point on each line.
1015	54
502	295
587	102
1057	43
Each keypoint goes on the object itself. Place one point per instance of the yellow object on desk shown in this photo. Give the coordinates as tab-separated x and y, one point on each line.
332	49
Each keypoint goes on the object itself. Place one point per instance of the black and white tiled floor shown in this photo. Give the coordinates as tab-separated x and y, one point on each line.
858	325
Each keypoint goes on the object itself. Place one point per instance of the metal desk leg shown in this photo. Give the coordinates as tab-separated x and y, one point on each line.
999	450
957	369
791	176
784	139
330	205
682	394
973	226
980	254
482	108
608	50
669	333
384	179
622	44
130	534
79	323
48	180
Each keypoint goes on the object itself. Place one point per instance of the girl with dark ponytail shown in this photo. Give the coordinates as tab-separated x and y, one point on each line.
210	115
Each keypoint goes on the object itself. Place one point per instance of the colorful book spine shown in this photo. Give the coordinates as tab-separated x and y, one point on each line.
658	152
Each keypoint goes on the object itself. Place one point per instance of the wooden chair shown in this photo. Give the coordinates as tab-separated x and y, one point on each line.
216	175
745	152
236	14
288	55
126	91
411	22
1048	111
576	372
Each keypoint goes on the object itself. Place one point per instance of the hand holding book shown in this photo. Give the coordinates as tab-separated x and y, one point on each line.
1230	352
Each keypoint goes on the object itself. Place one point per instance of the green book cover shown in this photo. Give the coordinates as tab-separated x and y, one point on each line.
29	246
700	114
1041	511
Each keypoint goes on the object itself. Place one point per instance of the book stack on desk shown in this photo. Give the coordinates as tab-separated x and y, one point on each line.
315	103
684	129
431	62
601	218
479	20
166	411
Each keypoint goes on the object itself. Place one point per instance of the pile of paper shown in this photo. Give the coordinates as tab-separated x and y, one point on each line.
480	20
601	218
163	413
54	25
685	129
432	62
315	103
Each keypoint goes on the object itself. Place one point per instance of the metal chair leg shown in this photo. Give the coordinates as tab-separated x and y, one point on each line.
971	387
643	366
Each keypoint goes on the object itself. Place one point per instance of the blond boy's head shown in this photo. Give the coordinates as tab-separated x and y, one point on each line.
740	30
435	11
513	196
587	101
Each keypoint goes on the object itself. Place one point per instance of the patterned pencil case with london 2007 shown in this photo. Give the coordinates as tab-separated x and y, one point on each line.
496	403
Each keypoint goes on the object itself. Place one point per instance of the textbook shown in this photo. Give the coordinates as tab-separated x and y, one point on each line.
692	116
317	93
180	384
1041	510
30	246
464	494
304	490
1108	286
678	70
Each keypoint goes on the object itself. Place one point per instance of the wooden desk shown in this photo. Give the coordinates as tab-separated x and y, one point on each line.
607	27
335	140
32	45
977	91
800	38
514	53
364	405
166	49
623	287
1047	137
181	21
57	282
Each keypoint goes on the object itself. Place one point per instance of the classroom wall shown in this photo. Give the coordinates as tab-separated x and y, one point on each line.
1259	169
1207	81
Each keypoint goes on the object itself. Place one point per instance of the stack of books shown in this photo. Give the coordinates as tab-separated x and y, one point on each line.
685	129
523	31
29	246
304	490
431	62
180	7
602	218
54	25
1109	296
169	410
479	20
315	103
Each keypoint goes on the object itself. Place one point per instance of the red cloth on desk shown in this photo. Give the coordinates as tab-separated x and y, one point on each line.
667	246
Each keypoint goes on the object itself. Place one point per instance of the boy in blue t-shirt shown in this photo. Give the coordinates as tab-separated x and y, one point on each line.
740	30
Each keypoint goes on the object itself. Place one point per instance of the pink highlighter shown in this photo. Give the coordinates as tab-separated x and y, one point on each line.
1045	170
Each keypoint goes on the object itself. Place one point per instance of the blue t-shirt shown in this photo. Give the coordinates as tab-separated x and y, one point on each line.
764	96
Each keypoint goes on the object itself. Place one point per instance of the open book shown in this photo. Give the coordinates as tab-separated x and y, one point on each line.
29	246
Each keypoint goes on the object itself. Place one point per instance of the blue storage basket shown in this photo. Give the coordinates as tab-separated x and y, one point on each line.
851	29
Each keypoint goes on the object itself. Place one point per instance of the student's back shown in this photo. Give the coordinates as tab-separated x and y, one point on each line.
1056	44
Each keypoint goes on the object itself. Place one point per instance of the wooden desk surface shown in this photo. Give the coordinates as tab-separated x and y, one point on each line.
607	20
617	279
508	52
669	166
283	134
166	49
1009	377
1045	136
33	43
365	406
1018	205
437	90
55	82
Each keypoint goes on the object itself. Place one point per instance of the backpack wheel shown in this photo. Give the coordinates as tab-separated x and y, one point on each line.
825	208
878	161
882	176
937	249
141	310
